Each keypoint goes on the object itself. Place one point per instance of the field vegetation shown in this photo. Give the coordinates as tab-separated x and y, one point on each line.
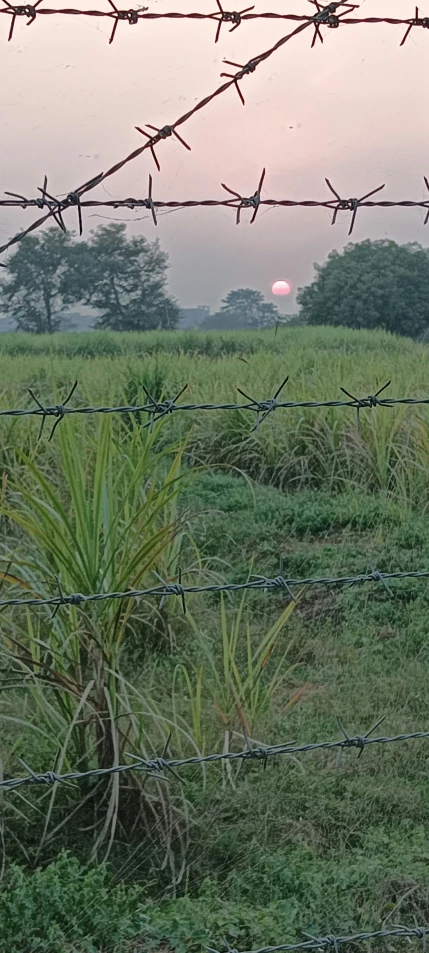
232	854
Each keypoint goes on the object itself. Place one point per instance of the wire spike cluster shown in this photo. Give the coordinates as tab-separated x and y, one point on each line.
328	17
29	11
235	17
253	202
418	21
161	134
350	205
130	16
249	752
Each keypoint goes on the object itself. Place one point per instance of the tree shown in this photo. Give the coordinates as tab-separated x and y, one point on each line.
35	290
124	279
243	309
371	285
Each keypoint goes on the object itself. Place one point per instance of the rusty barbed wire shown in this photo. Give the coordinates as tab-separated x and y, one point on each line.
234	18
158	409
256	582
56	206
324	16
249	753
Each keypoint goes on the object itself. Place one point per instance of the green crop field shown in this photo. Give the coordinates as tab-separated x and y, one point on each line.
232	853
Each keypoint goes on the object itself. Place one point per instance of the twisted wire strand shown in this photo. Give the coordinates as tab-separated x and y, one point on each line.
259	753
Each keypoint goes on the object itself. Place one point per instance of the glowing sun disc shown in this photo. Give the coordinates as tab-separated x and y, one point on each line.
280	287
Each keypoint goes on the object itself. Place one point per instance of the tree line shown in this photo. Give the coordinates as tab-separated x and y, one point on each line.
372	284
122	279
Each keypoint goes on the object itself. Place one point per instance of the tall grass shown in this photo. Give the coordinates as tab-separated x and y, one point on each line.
294	448
101	520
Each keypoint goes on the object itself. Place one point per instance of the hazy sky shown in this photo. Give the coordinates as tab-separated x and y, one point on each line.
354	109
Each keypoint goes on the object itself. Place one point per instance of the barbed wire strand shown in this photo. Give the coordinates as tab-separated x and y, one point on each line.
234	18
249	753
264	583
238	202
158	409
324	16
331	942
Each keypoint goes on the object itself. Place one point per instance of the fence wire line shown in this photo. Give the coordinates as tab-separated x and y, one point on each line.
238	203
331	942
234	18
260	753
324	16
158	409
256	582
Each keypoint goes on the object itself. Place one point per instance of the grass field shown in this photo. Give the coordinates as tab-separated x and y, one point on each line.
246	856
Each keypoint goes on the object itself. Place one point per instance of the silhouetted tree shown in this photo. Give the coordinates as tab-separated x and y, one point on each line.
242	309
124	279
35	291
372	284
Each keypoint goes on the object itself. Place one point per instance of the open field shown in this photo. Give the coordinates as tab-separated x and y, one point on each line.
248	856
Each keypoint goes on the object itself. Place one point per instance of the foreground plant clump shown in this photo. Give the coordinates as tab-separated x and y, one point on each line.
229	852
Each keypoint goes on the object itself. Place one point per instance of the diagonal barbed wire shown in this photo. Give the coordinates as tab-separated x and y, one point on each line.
256	582
331	942
248	753
231	18
324	16
158	409
238	202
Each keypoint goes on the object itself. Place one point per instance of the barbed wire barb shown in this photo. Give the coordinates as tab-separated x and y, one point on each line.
236	18
264	407
253	202
370	401
418	21
350	205
329	17
131	16
29	10
57	411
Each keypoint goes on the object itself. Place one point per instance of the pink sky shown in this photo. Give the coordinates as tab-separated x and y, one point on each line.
354	109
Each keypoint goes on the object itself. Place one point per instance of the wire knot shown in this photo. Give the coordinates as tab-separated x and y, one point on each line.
58	410
26	11
252	201
163	133
172	589
348	205
73	198
75	599
333	21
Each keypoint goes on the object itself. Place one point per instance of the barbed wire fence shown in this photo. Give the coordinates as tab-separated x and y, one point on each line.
158	409
160	767
325	16
155	766
238	203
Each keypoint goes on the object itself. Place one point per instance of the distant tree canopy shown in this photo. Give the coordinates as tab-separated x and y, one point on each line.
373	284
35	292
122	278
241	310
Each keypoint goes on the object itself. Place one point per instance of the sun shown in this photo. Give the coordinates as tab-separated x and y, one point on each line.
281	287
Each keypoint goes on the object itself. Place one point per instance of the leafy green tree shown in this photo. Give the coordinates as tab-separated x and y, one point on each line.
124	280
372	284
35	291
243	309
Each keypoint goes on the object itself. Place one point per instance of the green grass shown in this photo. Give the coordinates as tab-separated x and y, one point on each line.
307	844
